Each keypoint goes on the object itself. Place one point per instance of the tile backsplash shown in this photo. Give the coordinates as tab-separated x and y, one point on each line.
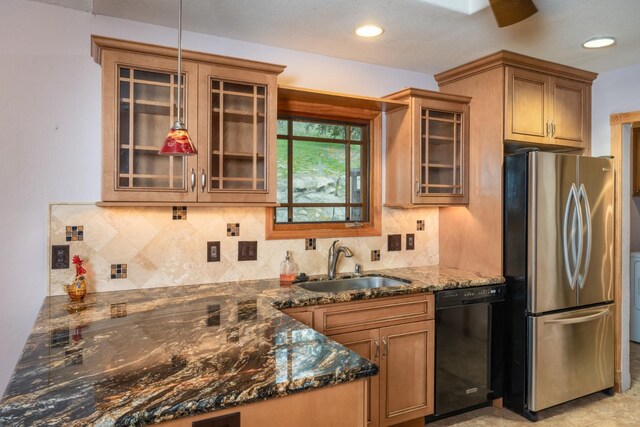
152	249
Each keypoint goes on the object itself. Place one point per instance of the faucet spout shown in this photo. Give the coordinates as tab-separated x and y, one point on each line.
334	254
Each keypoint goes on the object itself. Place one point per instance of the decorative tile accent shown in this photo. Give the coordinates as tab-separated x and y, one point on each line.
118	309
179	213
213	315
118	271
309	244
394	242
59	257
213	251
247	251
420	226
410	243
75	233
375	255
233	230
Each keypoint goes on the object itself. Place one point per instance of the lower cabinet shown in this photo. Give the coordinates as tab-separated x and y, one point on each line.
395	333
340	405
403	390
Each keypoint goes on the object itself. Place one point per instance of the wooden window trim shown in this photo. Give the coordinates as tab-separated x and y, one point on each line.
373	227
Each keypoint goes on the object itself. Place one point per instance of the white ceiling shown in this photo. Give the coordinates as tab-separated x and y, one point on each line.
419	35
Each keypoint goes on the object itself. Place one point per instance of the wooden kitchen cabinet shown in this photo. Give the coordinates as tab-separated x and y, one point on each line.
512	98
427	150
230	106
407	372
545	109
366	344
398	335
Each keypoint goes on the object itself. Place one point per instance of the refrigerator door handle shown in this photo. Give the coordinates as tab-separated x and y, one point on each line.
584	199
572	274
580	319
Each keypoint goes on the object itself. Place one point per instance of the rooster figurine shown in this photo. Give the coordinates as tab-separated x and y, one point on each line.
78	288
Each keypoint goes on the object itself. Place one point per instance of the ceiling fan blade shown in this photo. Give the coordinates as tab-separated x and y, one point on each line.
508	12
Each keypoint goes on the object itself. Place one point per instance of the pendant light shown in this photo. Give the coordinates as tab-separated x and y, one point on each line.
509	12
178	142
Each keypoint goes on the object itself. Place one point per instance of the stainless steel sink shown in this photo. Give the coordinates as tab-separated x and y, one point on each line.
350	284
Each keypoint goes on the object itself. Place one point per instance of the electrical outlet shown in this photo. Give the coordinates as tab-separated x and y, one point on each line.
59	257
411	242
394	242
247	251
213	251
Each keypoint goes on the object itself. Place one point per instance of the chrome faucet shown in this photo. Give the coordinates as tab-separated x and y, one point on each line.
334	254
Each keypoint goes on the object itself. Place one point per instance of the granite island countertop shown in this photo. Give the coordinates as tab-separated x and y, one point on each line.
146	356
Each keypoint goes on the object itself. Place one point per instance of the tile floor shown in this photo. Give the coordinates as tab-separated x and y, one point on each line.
622	409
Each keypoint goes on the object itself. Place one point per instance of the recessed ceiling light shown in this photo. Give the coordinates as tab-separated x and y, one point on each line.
369	31
597	42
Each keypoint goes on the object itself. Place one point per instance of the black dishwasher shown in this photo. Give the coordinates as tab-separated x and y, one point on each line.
469	349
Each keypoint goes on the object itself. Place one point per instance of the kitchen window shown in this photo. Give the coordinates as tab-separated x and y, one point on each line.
322	171
328	169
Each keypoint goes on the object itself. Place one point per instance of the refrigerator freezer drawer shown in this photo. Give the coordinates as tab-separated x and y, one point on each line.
570	355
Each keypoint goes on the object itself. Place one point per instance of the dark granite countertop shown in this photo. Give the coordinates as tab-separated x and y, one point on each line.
151	355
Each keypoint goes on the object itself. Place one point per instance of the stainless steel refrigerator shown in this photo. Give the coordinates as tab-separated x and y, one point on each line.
558	263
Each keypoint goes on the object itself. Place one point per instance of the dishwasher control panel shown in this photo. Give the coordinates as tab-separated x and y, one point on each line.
470	295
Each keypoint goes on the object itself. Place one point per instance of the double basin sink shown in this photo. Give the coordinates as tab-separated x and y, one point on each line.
351	284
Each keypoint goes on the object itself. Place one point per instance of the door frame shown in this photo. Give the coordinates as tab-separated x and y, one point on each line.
619	122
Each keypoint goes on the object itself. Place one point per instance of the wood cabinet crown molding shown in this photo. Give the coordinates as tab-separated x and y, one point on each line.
98	43
405	94
507	58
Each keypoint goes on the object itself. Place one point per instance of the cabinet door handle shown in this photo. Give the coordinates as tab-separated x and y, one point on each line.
377	352
417	187
193	180
203	180
548	127
385	348
553	129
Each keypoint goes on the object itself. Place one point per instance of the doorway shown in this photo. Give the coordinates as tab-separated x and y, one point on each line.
625	136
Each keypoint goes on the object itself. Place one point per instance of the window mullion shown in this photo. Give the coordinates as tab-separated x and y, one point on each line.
347	182
290	170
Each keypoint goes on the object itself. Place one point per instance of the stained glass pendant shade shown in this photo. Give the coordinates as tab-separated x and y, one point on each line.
178	142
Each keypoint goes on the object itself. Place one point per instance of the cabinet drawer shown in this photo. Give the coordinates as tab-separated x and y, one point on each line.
304	316
354	316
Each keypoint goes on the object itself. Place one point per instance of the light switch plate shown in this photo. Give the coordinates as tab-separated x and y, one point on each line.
213	251
394	242
59	257
247	251
410	244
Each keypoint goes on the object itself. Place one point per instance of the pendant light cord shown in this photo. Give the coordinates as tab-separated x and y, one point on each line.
179	59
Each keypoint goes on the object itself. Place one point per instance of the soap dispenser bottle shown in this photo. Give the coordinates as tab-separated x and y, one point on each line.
288	271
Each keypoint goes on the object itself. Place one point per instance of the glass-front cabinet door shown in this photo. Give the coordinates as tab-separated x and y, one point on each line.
144	105
441	152
237	115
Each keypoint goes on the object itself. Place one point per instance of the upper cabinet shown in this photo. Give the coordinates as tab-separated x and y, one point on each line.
546	109
427	150
229	107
